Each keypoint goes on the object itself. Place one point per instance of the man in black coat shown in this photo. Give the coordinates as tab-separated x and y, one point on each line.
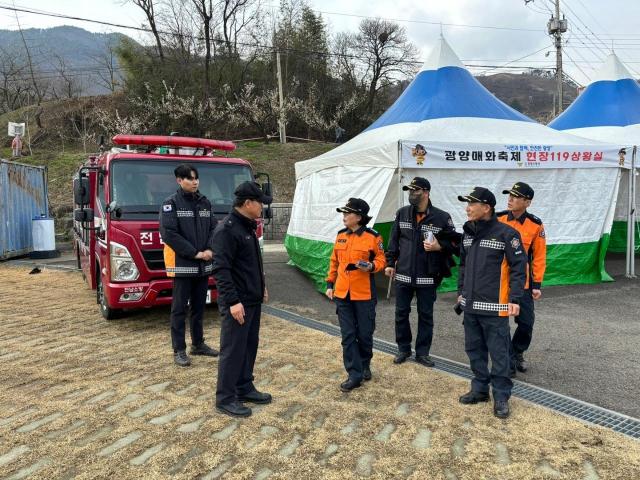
186	226
237	268
419	254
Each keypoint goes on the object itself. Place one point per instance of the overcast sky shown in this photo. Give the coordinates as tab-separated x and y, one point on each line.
517	30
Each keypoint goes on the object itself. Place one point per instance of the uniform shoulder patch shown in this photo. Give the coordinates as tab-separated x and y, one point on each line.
534	219
515	243
167	207
373	232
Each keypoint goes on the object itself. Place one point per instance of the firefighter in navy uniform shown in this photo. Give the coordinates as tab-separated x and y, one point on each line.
237	268
534	243
186	226
490	285
419	266
357	255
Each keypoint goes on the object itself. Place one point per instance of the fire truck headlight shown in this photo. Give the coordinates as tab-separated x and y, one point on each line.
123	268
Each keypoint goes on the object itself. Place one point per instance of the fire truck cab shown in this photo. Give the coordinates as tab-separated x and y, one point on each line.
118	195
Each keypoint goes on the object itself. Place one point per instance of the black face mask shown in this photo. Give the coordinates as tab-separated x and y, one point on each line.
415	198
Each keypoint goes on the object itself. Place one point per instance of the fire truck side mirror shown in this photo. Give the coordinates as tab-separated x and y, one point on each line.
267	189
81	191
83	215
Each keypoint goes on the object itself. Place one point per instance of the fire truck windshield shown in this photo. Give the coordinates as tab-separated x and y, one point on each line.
138	187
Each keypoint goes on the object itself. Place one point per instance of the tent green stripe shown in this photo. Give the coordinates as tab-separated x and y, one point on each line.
618	242
567	264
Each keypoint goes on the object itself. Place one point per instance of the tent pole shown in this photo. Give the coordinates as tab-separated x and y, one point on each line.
627	272
400	195
630	254
632	236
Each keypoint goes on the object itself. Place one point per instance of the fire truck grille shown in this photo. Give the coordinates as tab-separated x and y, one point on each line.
154	259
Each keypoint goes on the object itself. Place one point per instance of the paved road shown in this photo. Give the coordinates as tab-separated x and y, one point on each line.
586	340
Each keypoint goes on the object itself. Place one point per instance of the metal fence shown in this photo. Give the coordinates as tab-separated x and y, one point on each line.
277	227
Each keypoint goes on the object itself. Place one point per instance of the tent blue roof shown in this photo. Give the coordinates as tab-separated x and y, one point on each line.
612	100
445	89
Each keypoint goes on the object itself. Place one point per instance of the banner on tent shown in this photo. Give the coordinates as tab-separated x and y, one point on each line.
415	154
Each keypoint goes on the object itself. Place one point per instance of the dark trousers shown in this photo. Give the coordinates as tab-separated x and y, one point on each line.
238	350
191	290
486	335
524	329
357	322
426	297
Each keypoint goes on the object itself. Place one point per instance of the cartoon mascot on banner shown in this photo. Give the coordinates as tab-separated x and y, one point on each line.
419	153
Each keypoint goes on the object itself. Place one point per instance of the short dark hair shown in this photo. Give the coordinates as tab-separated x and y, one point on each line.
184	171
239	202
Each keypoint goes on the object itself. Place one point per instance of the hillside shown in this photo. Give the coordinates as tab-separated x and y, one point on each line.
82	52
530	94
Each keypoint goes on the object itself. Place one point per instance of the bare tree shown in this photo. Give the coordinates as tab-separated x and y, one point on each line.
387	54
107	74
68	85
148	7
205	11
180	21
35	85
236	16
14	89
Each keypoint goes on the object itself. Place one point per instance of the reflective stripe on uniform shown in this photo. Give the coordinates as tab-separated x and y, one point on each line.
431	228
403	278
490	307
492	244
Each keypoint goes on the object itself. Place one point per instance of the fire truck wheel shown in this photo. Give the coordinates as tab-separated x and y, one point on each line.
107	312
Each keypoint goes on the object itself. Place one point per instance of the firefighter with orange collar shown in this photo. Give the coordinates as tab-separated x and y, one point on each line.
357	255
534	243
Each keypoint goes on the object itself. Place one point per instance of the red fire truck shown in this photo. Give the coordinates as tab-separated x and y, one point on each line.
117	196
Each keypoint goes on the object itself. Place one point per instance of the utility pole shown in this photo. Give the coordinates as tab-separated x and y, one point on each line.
556	27
282	121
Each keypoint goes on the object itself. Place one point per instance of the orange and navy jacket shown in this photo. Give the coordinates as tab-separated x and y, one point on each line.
492	268
364	244
534	242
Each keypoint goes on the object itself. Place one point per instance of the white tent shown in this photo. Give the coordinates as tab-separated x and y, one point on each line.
447	127
609	110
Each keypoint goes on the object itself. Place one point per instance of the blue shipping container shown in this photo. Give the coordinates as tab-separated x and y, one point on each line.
23	195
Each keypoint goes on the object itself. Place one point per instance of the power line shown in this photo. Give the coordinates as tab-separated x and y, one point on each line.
143	29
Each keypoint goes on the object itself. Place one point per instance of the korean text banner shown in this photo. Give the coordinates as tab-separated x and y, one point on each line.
415	154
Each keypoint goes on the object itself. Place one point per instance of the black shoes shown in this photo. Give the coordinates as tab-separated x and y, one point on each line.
425	360
521	363
204	349
501	408
349	385
234	409
181	358
401	357
471	398
366	374
256	397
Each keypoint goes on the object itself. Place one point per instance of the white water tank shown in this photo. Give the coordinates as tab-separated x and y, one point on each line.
44	238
